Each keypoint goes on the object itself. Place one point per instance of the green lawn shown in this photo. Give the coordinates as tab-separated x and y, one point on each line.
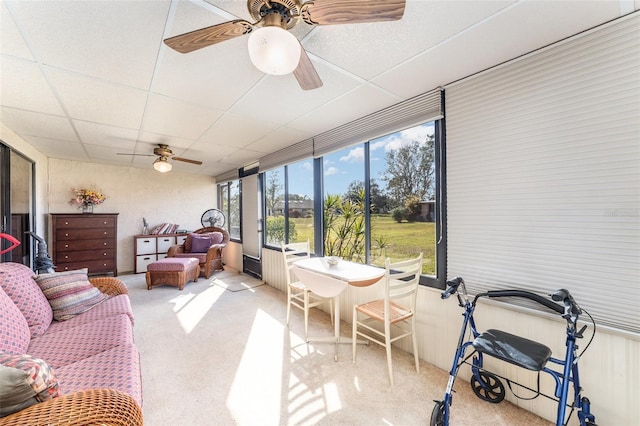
403	240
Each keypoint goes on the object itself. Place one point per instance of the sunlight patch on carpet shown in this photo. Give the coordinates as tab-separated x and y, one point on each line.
239	283
191	310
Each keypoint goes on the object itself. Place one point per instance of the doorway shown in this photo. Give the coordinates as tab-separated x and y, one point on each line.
16	203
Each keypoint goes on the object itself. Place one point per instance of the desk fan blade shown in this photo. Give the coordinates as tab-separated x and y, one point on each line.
186	160
305	72
204	37
330	12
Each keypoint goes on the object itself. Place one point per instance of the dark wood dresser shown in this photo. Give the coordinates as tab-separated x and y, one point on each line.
85	241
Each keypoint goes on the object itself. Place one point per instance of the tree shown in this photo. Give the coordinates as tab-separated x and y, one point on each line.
378	199
411	172
273	192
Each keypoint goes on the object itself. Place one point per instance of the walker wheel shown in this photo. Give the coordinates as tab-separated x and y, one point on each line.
489	388
437	415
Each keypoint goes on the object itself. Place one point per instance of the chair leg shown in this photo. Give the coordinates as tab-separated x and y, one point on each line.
414	337
387	344
354	334
306	315
288	304
331	310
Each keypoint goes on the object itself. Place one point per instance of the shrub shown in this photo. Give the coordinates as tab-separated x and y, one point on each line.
275	229
399	214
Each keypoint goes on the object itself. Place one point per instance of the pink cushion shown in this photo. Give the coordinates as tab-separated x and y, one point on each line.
217	237
111	307
117	368
67	346
14	330
173	264
17	281
201	243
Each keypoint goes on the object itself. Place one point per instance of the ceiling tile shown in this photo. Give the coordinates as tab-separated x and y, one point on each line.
15	75
90	99
232	130
59	148
28	123
11	41
169	116
116	41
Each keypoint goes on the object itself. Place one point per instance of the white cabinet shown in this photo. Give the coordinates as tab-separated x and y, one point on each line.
149	248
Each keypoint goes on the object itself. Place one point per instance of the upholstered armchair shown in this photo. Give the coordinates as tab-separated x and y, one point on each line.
205	244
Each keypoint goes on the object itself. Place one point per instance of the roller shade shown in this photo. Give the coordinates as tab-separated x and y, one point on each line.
543	173
287	155
420	109
227	176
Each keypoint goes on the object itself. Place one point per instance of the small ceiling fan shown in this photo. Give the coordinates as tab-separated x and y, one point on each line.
163	153
272	48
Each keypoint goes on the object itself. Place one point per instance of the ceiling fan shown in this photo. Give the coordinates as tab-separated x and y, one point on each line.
163	153
272	48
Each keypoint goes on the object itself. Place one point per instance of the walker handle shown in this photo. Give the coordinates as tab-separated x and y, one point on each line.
527	295
564	296
452	287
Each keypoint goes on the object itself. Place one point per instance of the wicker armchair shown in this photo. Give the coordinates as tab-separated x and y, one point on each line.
87	407
209	261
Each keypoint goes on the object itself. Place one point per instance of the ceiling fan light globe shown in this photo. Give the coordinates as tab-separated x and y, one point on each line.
162	165
274	50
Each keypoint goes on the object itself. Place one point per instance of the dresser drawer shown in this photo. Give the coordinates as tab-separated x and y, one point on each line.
86	221
94	266
76	245
80	256
85	234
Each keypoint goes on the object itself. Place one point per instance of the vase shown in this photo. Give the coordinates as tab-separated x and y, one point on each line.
87	208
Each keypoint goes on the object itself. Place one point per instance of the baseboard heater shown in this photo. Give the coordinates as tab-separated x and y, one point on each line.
252	266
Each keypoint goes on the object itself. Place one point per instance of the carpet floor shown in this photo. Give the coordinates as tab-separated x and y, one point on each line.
219	352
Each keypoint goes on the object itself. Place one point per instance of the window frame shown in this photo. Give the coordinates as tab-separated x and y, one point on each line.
436	281
227	213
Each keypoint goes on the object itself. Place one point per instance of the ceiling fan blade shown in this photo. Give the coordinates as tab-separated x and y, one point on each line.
186	160
204	37
329	12
305	73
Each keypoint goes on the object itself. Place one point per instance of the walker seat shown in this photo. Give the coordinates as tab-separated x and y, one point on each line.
513	349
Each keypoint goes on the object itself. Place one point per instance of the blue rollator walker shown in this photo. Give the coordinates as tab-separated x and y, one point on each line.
519	351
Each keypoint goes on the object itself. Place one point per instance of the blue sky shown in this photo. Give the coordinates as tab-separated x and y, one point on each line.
344	166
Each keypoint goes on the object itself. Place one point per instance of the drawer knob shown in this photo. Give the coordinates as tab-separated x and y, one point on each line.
66	235
66	257
66	223
66	246
104	244
104	254
105	232
104	223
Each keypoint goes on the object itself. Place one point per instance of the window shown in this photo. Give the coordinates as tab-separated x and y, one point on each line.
289	204
396	175
229	194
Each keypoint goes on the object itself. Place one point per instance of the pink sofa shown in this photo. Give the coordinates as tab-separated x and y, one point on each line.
92	354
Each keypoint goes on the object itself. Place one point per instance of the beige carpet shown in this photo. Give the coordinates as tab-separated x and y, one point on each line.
211	356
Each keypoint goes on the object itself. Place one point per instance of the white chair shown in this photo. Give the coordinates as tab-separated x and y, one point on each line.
298	295
397	308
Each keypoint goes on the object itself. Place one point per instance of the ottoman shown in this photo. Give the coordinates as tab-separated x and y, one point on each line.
175	271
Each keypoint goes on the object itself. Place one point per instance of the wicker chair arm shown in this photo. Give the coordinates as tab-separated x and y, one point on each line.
109	285
177	248
88	407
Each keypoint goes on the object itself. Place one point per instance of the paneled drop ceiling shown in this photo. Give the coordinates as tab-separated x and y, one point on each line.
84	80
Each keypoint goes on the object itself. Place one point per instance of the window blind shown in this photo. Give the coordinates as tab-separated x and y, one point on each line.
420	109
290	154
227	176
543	173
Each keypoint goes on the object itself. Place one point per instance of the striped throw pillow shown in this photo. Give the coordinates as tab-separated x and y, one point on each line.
70	293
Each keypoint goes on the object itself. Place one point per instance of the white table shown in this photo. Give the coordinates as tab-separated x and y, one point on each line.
329	281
